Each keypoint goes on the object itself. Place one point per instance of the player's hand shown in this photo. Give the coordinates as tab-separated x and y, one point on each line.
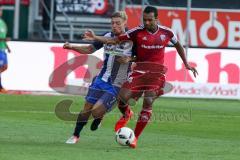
194	71
124	59
67	46
89	35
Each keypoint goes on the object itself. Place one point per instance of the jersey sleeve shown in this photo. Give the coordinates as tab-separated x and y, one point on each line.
130	34
97	45
173	37
123	37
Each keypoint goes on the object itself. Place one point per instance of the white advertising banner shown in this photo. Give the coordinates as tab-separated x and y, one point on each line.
204	90
32	63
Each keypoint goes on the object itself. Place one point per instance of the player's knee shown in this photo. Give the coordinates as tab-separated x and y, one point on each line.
98	112
148	101
147	107
124	95
82	117
3	68
96	115
86	112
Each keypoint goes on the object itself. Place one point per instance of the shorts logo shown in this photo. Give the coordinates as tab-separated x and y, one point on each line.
112	101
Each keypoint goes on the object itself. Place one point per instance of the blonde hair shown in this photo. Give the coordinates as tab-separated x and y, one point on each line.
120	14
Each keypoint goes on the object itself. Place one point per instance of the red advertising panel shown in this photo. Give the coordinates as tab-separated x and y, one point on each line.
208	28
12	2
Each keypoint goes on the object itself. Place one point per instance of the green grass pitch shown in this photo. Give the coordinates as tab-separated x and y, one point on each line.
181	129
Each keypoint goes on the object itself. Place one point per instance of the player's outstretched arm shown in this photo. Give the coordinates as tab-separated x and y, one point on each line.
181	53
80	49
90	36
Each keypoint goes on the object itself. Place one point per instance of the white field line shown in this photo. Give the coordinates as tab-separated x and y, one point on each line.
49	112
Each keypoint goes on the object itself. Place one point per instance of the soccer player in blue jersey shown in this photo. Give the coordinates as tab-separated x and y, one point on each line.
103	92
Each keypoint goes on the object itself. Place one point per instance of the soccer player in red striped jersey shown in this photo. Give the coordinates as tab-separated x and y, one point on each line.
150	40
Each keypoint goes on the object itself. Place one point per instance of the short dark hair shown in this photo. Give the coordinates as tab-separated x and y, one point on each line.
151	9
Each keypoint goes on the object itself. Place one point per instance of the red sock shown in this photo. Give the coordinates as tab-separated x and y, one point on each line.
143	119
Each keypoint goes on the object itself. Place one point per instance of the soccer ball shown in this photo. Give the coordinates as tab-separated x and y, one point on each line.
125	136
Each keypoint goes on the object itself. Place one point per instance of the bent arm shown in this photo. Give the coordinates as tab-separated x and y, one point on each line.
106	40
80	49
84	49
181	53
90	35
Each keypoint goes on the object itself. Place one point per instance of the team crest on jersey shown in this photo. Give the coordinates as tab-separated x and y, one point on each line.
144	38
163	37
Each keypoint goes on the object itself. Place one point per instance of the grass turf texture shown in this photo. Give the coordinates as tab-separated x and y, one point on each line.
181	129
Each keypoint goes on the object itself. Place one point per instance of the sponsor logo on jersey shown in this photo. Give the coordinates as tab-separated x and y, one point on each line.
151	46
122	48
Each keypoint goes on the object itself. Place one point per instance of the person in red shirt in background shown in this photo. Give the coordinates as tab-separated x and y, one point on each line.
149	40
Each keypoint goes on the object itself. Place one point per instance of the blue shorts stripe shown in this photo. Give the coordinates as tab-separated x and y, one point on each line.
3	58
